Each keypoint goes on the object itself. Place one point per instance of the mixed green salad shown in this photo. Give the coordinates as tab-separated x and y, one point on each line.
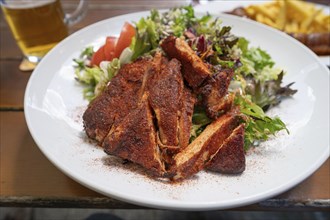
256	82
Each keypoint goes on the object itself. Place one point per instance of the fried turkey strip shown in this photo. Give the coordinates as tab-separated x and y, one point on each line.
215	95
173	106
194	70
193	158
165	98
134	139
185	121
121	96
230	158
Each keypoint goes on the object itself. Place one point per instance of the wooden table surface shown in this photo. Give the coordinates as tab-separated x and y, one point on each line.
29	179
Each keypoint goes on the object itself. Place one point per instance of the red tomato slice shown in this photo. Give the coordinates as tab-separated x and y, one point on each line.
113	46
125	38
109	48
98	56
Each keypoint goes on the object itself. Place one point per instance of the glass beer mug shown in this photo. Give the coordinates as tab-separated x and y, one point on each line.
38	25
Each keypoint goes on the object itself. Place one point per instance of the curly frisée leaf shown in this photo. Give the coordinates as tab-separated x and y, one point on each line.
260	129
259	126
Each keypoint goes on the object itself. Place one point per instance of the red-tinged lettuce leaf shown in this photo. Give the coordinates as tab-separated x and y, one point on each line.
269	93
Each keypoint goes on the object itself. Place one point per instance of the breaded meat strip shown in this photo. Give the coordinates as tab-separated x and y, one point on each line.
173	105
134	139
185	121
121	96
230	158
165	98
214	93
194	70
194	157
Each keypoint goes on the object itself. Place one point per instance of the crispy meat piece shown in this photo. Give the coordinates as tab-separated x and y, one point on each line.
194	157
214	93
165	98
183	129
173	106
134	139
145	114
230	158
185	121
120	97
194	70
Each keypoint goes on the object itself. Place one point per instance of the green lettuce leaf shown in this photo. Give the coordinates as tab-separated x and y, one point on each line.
256	62
259	126
95	79
199	122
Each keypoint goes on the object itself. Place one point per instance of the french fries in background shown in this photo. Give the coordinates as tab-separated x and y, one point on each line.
291	16
302	20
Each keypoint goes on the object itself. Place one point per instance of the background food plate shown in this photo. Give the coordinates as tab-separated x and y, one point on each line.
221	6
54	105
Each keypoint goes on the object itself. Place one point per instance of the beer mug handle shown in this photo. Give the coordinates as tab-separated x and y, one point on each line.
77	15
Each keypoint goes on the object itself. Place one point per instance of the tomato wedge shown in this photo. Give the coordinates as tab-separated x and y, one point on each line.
113	46
126	35
98	56
106	52
109	48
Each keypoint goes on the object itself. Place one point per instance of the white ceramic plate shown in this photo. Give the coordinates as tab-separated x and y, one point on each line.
54	105
220	6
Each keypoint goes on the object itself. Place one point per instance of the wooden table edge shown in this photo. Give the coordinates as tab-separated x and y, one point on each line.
320	205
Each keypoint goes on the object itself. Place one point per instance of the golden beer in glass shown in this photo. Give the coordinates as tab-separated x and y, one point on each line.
37	25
